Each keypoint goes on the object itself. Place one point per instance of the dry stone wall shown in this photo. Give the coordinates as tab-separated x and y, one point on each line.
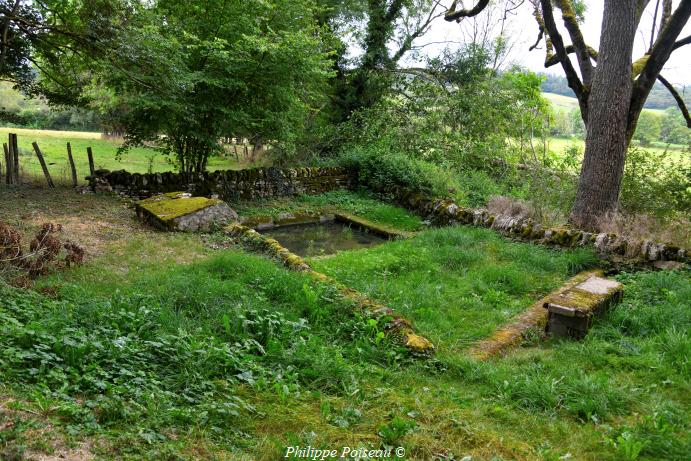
258	183
610	246
230	185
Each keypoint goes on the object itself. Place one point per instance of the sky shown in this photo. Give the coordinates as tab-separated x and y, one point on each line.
523	29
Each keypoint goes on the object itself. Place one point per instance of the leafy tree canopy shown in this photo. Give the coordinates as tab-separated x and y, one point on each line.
196	71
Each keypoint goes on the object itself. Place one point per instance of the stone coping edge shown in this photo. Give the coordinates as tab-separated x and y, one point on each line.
398	327
512	334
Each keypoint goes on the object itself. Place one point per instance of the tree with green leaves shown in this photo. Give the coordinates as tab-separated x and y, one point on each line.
673	128
45	46
611	88
648	128
390	30
195	71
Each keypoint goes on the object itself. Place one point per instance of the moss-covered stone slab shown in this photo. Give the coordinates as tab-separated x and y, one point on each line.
571	313
533	319
179	211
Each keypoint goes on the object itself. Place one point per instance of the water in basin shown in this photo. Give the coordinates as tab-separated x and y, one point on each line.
323	239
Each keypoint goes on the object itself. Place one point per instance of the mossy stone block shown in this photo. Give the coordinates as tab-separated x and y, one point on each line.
571	313
178	211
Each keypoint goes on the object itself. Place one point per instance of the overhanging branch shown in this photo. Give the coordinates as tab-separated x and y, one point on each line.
456	15
677	97
552	59
682	42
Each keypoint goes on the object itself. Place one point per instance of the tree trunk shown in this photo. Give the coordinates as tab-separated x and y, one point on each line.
606	141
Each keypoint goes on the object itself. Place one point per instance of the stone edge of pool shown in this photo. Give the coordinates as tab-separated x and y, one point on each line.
398	327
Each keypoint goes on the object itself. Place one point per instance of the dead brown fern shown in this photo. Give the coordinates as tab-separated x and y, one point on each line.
44	252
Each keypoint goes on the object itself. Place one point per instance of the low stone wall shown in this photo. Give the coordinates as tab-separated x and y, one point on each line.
230	185
610	246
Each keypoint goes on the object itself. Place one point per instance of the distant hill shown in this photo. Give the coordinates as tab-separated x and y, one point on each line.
659	97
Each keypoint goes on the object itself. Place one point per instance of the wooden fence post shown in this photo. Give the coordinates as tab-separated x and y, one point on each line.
72	167
15	147
44	167
10	160
7	163
90	154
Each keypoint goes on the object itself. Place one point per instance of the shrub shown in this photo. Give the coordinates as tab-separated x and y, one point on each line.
387	173
655	184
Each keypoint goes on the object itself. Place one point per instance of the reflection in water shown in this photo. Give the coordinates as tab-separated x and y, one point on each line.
322	239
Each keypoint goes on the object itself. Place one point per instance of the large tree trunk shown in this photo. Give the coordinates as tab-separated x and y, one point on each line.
606	140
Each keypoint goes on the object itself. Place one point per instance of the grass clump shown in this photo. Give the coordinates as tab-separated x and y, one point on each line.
456	284
361	203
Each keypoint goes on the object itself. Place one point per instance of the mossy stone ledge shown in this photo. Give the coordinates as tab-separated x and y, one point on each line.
179	211
397	327
613	247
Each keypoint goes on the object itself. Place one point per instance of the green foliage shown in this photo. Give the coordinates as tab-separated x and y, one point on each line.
388	173
16	110
239	69
648	128
392	432
673	128
177	354
459	114
655	184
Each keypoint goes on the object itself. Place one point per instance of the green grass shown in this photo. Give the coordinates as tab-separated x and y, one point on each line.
53	145
456	284
569	103
360	203
230	356
236	355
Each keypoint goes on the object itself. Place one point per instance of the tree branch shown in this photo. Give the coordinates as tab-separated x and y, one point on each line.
420	30
456	15
652	29
569	17
660	52
677	97
679	43
552	60
540	34
562	56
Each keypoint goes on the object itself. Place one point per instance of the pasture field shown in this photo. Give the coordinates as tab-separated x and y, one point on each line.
176	346
568	103
53	145
674	152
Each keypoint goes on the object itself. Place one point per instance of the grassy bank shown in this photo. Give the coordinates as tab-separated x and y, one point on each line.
456	284
360	203
162	348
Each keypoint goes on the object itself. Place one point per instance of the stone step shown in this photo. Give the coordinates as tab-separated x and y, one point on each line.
567	311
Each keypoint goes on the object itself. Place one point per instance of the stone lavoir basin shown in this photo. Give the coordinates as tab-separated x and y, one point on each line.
323	238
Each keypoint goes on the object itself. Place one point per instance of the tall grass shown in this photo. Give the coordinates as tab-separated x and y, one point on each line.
457	284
